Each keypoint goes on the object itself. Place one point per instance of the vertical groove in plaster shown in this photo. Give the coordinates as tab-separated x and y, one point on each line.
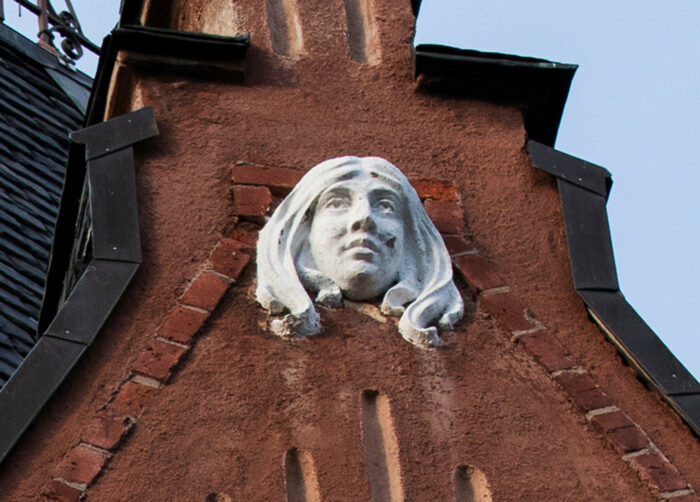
471	485
363	41
285	27
381	448
300	477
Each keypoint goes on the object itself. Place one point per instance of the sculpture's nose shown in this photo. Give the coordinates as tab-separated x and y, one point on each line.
361	216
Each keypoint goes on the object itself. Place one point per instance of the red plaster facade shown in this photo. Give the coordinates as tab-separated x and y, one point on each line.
186	395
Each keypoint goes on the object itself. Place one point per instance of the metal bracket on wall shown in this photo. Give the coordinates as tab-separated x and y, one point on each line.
103	154
583	190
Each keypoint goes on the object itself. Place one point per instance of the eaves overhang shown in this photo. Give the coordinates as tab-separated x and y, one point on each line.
539	86
95	253
583	190
161	51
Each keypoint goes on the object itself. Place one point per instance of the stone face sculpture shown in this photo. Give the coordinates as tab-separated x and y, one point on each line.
355	227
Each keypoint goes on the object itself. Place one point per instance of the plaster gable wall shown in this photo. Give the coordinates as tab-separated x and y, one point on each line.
218	17
243	397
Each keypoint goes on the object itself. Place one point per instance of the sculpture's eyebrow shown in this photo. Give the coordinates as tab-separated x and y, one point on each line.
337	191
383	193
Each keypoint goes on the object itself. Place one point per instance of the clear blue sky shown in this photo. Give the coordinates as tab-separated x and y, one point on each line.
633	108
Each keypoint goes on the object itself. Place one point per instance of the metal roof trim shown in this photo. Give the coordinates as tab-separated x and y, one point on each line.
540	86
74	323
595	280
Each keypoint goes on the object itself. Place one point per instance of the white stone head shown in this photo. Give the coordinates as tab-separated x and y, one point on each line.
354	227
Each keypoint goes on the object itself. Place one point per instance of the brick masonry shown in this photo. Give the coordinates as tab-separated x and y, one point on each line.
82	465
206	291
446	215
183	322
106	431
59	491
252	189
174	338
251	201
230	257
279	180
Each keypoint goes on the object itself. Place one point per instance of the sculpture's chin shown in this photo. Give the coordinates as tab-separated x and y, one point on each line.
364	286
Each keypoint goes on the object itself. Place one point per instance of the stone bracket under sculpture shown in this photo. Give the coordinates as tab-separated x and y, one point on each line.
355	228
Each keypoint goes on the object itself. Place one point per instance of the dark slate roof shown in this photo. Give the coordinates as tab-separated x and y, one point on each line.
41	101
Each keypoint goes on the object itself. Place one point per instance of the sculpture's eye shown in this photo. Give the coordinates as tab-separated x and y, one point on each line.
336	203
386	206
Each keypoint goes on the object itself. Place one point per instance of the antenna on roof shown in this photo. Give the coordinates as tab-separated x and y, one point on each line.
64	23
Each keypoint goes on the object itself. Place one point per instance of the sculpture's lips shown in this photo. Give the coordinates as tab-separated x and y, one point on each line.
363	243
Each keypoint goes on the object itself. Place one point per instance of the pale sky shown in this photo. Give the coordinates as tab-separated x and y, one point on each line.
632	108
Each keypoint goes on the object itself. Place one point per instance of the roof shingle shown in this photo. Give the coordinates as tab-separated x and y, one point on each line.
36	116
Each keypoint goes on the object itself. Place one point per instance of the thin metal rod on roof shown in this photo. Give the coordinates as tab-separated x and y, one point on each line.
64	23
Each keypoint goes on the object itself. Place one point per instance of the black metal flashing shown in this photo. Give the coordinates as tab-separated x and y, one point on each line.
91	300
638	341
588	234
75	313
583	189
38	108
568	168
539	86
130	12
415	6
30	388
128	129
163	51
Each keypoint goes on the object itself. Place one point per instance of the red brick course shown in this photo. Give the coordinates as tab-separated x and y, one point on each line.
60	492
547	351
507	310
477	272
158	359
206	291
591	399
130	400
628	439
435	189
81	465
229	258
583	391
279	180
574	382
446	215
106	431
659	472
457	244
611	421
246	234
251	200
182	323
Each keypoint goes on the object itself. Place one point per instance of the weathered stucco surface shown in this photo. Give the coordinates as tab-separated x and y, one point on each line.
243	397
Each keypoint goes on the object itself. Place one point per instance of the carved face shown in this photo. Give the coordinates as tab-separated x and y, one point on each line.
357	235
